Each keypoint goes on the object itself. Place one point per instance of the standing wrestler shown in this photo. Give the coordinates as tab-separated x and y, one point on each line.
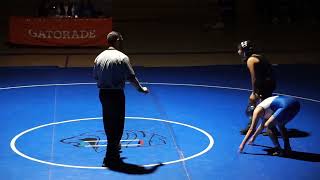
262	79
111	70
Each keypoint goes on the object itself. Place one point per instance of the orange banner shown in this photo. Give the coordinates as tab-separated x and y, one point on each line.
59	31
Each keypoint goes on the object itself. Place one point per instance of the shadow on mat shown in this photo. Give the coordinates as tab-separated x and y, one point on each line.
133	168
302	156
293	133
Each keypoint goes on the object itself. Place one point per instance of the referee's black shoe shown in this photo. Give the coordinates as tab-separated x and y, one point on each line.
112	162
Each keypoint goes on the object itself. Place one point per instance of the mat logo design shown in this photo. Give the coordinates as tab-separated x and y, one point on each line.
130	139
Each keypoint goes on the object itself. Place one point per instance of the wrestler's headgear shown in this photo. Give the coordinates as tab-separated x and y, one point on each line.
249	111
247	49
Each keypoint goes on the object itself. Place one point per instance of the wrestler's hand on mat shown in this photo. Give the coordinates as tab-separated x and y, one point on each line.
251	141
241	147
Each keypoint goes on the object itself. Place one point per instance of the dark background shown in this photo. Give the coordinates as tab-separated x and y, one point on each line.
195	26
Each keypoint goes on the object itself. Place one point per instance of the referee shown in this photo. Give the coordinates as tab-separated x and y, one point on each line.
111	70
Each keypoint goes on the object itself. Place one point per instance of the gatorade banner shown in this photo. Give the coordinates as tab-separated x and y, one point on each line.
59	31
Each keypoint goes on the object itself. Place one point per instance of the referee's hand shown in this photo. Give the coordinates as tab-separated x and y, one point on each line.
144	90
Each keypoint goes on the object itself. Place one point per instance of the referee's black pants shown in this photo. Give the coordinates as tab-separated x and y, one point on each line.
113	110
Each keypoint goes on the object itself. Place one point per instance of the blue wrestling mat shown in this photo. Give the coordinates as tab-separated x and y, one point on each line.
51	125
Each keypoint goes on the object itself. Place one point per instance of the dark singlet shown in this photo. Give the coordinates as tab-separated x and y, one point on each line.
264	75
